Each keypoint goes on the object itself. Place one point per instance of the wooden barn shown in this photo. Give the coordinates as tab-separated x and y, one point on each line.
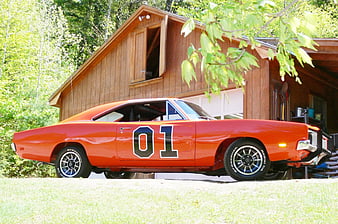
143	60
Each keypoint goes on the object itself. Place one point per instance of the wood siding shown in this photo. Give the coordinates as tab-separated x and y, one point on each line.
257	92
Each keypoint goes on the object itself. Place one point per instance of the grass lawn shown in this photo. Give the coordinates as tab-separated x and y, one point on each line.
167	201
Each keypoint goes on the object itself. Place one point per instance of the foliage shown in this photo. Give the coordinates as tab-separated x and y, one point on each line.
96	20
244	22
33	61
326	17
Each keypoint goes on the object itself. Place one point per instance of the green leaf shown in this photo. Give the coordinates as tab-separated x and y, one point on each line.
306	41
209	58
263	3
191	49
294	24
194	58
271	54
214	31
304	56
206	43
243	44
188	72
188	27
308	25
226	25
251	20
212	5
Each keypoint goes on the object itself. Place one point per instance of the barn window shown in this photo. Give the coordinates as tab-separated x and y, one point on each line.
153	53
148	52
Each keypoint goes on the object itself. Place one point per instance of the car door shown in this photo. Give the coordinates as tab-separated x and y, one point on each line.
163	143
156	144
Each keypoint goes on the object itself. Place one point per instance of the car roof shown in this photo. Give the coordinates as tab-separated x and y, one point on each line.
87	115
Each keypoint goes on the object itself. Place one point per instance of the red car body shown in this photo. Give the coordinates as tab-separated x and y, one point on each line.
169	135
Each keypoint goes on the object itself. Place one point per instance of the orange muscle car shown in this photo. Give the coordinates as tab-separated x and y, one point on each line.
170	135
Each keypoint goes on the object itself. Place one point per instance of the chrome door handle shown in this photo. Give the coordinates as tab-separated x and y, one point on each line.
124	128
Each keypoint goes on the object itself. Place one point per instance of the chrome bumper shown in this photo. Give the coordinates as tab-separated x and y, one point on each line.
319	144
306	145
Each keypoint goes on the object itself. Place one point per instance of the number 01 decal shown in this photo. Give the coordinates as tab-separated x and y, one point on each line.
148	150
168	151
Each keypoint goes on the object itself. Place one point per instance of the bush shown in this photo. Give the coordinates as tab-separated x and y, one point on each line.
18	119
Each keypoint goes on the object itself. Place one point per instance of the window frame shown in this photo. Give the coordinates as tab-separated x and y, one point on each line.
139	47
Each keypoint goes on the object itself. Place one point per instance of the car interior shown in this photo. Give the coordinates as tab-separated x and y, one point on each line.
149	111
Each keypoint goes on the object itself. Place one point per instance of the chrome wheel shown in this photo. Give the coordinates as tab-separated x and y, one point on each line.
70	164
247	160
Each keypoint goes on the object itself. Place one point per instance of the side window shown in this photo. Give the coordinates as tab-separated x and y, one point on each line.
172	113
110	117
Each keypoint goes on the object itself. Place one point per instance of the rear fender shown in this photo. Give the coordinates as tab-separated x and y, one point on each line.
62	145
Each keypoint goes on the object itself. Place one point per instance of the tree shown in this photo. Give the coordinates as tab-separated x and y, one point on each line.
245	21
33	35
94	21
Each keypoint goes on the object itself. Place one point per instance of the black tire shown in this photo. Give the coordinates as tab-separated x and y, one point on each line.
246	160
72	162
117	175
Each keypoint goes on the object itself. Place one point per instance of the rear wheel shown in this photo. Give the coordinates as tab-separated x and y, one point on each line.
246	160
72	162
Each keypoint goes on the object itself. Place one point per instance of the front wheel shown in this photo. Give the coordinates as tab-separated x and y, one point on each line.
246	160
72	162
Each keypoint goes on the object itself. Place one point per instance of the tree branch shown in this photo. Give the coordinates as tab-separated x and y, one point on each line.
232	61
276	15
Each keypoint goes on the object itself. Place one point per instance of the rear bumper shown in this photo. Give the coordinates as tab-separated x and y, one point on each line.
13	146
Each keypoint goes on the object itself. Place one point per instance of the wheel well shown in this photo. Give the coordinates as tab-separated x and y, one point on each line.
219	157
60	146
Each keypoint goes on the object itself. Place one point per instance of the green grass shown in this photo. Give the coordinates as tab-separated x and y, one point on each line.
167	201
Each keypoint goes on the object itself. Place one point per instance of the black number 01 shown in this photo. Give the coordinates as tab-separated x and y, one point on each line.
148	151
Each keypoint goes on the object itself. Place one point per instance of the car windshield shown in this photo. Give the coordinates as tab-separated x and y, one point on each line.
194	111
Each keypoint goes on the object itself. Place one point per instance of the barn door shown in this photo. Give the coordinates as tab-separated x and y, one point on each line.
139	63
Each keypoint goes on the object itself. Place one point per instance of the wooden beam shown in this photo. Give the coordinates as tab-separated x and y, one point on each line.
324	56
319	75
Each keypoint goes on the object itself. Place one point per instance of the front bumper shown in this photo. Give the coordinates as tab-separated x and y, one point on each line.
306	145
319	144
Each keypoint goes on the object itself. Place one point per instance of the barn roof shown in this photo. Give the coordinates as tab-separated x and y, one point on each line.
325	58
